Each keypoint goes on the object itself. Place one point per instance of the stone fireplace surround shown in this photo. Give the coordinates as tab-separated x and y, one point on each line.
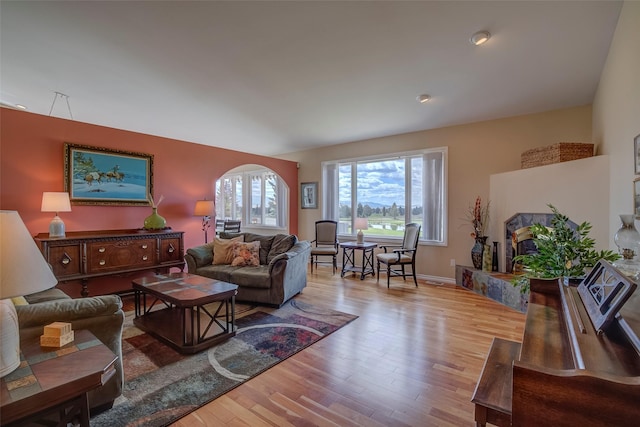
518	221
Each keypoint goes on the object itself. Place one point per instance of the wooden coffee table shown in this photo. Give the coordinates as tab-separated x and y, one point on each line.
185	323
55	380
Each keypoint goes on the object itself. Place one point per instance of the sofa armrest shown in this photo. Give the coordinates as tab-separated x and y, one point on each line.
199	256
298	250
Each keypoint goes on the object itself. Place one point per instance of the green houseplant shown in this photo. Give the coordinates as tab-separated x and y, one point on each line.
562	252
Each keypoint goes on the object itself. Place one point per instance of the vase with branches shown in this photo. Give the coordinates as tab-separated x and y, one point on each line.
478	216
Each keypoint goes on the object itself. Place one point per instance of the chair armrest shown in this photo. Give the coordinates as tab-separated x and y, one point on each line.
67	310
385	247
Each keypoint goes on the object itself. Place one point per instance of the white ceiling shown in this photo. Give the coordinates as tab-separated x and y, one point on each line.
275	77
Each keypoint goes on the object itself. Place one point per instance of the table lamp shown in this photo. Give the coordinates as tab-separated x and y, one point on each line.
361	224
205	209
56	202
23	271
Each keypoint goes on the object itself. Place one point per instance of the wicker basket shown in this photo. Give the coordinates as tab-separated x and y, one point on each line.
556	153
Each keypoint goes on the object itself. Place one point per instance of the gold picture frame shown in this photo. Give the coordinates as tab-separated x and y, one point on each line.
102	176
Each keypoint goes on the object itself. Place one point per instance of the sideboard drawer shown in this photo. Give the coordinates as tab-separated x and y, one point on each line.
170	250
65	260
120	255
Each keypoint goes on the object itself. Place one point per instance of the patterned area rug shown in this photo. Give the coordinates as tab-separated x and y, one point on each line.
162	385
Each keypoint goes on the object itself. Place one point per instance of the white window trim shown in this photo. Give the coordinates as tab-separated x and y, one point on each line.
330	181
282	216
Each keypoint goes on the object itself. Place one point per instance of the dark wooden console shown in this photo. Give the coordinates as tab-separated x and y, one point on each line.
85	255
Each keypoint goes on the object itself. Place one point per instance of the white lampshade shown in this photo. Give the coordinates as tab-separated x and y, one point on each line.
56	202
204	208
23	271
360	224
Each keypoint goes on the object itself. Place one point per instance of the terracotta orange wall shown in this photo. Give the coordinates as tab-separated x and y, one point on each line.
31	161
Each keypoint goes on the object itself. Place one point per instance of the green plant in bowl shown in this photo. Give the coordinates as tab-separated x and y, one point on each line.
562	252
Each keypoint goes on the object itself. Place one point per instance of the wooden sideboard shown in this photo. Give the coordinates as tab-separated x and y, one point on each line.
85	255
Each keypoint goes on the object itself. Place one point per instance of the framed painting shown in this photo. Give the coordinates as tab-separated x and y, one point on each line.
101	176
636	198
309	195
636	154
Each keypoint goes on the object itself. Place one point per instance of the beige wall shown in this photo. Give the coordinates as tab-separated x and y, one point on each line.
568	186
616	112
476	151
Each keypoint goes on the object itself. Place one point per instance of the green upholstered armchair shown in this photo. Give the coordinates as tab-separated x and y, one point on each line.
102	316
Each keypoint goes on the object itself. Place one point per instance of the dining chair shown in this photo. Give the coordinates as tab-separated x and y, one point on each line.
396	257
232	226
326	243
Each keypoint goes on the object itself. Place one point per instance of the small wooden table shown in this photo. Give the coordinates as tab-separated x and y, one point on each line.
180	323
55	379
348	258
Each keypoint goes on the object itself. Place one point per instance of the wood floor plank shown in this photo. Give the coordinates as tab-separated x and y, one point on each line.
412	358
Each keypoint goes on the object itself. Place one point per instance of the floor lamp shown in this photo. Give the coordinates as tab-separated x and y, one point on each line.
24	271
205	209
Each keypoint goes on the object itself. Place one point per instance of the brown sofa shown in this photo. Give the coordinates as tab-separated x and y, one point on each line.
102	316
282	272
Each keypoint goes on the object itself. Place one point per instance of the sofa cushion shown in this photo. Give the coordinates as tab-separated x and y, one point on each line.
257	277
218	272
222	253
245	254
265	244
281	244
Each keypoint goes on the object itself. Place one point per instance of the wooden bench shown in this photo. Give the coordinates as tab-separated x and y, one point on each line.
493	394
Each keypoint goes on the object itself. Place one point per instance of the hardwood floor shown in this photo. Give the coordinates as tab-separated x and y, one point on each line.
412	358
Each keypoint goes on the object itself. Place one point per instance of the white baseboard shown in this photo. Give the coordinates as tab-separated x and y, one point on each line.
437	279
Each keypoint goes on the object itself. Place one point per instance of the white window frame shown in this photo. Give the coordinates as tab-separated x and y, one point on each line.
437	186
282	202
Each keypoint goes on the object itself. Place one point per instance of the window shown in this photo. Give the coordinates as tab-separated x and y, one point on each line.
389	192
256	197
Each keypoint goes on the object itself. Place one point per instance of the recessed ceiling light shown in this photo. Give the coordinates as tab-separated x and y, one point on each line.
423	98
480	37
20	106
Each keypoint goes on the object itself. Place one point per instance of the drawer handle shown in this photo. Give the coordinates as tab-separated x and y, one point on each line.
101	250
66	259
171	248
102	262
144	246
144	257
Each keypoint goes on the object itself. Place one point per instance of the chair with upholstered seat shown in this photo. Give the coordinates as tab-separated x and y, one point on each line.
398	256
325	243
